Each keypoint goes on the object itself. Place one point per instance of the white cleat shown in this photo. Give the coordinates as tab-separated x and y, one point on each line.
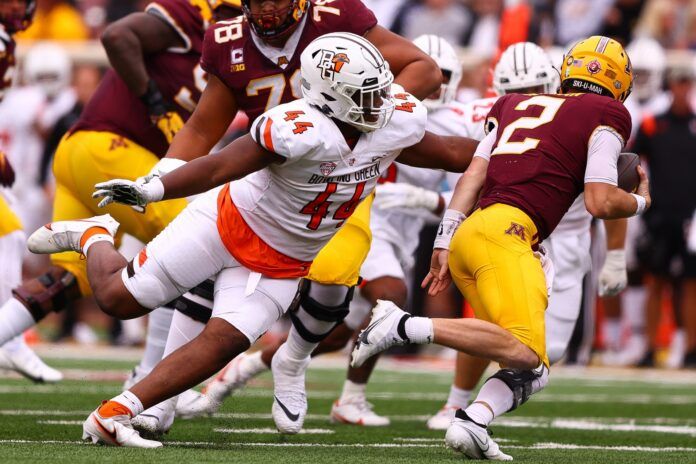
289	397
443	419
154	422
135	376
22	359
231	378
382	333
473	441
634	351
114	431
357	411
188	407
59	236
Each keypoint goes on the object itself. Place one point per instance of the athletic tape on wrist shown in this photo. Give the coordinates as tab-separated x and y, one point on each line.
642	204
450	222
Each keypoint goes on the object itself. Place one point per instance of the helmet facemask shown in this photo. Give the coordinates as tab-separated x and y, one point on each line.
370	106
20	21
277	23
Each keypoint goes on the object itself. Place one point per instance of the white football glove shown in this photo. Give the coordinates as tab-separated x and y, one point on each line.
613	277
406	196
136	194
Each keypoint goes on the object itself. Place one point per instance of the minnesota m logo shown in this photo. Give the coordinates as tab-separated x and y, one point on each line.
516	229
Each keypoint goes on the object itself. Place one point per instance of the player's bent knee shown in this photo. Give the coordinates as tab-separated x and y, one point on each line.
555	352
523	382
48	293
306	307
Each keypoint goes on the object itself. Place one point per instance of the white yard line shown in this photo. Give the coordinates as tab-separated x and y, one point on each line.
536	446
269	430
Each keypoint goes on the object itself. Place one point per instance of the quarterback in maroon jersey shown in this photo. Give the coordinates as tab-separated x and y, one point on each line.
540	153
125	128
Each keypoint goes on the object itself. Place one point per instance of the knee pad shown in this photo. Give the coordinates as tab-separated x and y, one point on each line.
50	292
523	383
197	303
317	310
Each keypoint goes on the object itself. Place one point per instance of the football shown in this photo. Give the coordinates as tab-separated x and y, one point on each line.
628	175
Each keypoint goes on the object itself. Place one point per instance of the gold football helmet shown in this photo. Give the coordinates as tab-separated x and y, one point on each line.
215	4
599	65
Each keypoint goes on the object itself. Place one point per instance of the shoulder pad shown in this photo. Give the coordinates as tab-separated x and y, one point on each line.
290	130
407	125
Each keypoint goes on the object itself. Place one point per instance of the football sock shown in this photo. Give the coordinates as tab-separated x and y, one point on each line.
458	397
15	318
352	390
158	324
494	398
127	399
92	236
15	345
612	333
419	330
182	330
633	307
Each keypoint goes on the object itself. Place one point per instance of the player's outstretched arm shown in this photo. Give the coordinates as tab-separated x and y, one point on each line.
439	152
130	39
240	158
214	113
413	69
606	201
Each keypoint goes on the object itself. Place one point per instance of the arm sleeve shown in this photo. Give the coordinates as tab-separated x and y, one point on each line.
603	152
485	146
184	18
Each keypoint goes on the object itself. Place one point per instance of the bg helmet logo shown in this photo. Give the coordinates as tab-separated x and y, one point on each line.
331	63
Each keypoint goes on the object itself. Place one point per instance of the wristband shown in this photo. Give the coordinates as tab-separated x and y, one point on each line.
450	222
155	190
641	204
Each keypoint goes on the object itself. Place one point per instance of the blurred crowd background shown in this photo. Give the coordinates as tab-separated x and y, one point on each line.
652	323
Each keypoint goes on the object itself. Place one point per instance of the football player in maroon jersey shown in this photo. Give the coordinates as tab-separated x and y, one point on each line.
253	65
124	129
540	153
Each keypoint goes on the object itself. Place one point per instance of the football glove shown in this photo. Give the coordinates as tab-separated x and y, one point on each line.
162	115
613	277
136	194
7	174
408	197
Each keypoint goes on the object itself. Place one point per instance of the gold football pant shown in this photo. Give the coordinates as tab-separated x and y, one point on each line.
493	265
88	157
9	222
339	262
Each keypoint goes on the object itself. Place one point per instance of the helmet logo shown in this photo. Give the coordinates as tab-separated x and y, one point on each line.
593	67
331	63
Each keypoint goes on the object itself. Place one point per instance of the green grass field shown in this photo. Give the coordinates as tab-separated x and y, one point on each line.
595	416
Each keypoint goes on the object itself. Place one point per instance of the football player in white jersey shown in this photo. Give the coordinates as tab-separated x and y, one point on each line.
629	310
286	189
526	68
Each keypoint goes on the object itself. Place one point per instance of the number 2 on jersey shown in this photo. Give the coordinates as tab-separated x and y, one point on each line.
318	208
550	106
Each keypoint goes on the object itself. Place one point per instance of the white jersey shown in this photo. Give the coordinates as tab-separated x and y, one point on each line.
296	207
403	229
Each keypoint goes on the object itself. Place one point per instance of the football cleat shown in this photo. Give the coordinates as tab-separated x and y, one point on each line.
135	376
20	358
386	329
187	406
472	439
357	411
443	419
114	431
231	378
59	236
289	396
154	422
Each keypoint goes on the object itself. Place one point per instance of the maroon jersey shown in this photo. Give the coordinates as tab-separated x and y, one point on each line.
114	108
259	83
7	61
540	154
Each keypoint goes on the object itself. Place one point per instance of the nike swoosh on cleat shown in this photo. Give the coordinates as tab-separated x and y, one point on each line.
365	333
291	416
479	442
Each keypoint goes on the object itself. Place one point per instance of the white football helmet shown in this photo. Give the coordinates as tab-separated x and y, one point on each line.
49	67
525	66
446	58
649	62
347	78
